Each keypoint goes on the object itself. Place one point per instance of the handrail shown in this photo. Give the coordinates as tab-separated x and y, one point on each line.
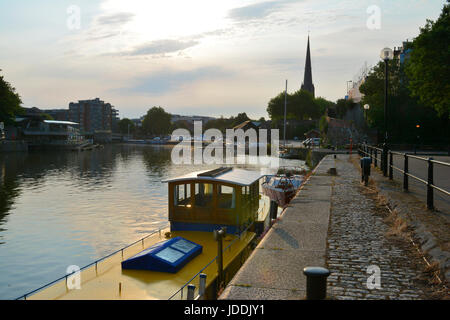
388	164
24	296
207	265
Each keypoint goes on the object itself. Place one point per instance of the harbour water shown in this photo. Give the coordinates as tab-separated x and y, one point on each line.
59	209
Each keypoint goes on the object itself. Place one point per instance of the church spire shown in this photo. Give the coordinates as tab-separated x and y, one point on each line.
307	80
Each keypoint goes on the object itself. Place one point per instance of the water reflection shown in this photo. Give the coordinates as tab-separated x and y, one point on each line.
63	208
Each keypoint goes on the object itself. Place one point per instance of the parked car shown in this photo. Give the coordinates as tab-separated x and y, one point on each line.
306	142
315	142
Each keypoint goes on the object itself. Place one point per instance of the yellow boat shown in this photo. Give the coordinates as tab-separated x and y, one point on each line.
168	263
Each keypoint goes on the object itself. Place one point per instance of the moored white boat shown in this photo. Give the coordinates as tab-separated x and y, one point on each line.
282	188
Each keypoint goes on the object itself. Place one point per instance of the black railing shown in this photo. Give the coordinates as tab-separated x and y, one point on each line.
65	277
384	159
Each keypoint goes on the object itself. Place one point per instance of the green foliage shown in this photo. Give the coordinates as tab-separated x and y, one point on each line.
126	125
241	117
46	116
300	105
323	124
156	122
428	68
324	104
226	123
342	106
404	111
9	102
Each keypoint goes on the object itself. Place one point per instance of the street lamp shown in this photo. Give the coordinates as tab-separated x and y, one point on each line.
386	54
366	108
418	139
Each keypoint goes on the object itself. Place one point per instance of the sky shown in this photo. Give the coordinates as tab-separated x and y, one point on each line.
195	57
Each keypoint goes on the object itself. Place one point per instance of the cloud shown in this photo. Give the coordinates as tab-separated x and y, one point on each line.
257	10
254	11
162	82
159	47
115	19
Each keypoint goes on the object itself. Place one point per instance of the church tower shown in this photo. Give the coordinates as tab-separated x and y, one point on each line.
307	80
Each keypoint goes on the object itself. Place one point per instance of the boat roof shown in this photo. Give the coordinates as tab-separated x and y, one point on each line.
60	122
236	176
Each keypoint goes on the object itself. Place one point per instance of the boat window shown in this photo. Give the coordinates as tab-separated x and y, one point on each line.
245	195
182	195
203	195
226	197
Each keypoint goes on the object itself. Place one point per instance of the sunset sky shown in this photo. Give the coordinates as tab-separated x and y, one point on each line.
203	57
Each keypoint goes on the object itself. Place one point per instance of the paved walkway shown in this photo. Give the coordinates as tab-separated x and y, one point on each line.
358	240
274	271
330	223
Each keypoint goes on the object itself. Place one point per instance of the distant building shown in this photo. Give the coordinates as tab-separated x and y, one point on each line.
307	79
93	115
56	114
115	120
404	52
39	132
313	133
190	119
255	125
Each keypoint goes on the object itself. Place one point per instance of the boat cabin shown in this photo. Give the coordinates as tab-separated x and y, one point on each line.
208	200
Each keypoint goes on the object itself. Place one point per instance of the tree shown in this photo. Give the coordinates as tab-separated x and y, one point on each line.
241	117
300	105
9	102
428	68
404	110
156	121
126	126
324	104
342	106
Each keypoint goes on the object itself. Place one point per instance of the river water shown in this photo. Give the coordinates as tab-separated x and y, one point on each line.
66	208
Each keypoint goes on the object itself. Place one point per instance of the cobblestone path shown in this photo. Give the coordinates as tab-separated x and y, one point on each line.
357	240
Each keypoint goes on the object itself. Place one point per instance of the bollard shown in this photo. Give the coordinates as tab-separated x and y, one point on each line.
430	184
405	173
202	285
316	282
365	169
218	236
391	168
273	210
384	160
190	293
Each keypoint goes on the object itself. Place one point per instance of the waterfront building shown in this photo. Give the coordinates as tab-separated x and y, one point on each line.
115	120
307	79
92	115
56	114
38	132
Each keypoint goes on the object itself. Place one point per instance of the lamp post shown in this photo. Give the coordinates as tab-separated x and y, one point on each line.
366	109
418	139
386	54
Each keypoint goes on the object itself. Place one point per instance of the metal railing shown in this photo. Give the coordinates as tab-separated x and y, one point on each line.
191	286
96	262
387	166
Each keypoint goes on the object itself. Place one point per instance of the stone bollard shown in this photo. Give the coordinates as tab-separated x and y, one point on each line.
190	292
316	282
